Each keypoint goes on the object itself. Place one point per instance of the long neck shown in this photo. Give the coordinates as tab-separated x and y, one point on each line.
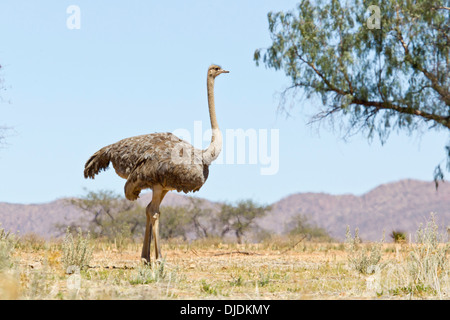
213	151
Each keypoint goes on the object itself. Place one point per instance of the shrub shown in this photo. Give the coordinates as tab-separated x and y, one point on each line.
428	264
300	225
398	236
7	244
77	251
149	273
359	257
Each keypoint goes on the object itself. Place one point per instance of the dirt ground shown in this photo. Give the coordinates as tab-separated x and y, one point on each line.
215	271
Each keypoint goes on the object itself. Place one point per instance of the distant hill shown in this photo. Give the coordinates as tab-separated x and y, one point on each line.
401	205
42	218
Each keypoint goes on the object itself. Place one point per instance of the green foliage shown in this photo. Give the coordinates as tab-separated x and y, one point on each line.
240	218
374	80
111	216
237	281
149	273
202	218
398	236
174	222
208	288
299	225
264	279
183	221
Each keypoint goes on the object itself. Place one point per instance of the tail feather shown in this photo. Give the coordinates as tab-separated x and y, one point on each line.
98	162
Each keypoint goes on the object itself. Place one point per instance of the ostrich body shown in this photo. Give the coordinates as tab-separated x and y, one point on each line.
161	162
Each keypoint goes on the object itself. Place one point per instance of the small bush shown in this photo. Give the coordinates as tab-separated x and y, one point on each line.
264	279
149	273
428	263
300	225
7	244
237	281
359	257
398	236
208	288
122	238
77	251
31	241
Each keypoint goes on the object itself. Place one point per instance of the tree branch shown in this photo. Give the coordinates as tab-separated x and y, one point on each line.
445	121
408	57
405	110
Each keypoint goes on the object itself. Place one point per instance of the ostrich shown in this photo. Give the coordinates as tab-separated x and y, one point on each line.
161	162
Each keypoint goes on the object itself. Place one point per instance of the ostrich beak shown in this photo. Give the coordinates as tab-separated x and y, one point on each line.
225	71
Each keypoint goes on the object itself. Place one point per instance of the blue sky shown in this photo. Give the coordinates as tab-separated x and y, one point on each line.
139	67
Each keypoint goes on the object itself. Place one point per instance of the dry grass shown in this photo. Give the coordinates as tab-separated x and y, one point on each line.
281	269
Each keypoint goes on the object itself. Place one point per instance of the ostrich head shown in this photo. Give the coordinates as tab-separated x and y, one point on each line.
215	70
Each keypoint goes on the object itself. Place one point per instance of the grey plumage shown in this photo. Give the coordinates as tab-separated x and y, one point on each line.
161	162
158	158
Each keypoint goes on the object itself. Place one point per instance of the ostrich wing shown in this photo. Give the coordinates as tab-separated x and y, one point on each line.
158	158
176	165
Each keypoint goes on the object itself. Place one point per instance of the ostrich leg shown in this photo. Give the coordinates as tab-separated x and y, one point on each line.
151	210
148	234
155	227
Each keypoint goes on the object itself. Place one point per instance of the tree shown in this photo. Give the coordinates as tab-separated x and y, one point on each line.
196	220
374	77
240	218
110	215
202	218
299	225
174	222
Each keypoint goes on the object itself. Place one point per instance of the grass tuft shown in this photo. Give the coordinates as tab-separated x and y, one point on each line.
360	257
77	251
